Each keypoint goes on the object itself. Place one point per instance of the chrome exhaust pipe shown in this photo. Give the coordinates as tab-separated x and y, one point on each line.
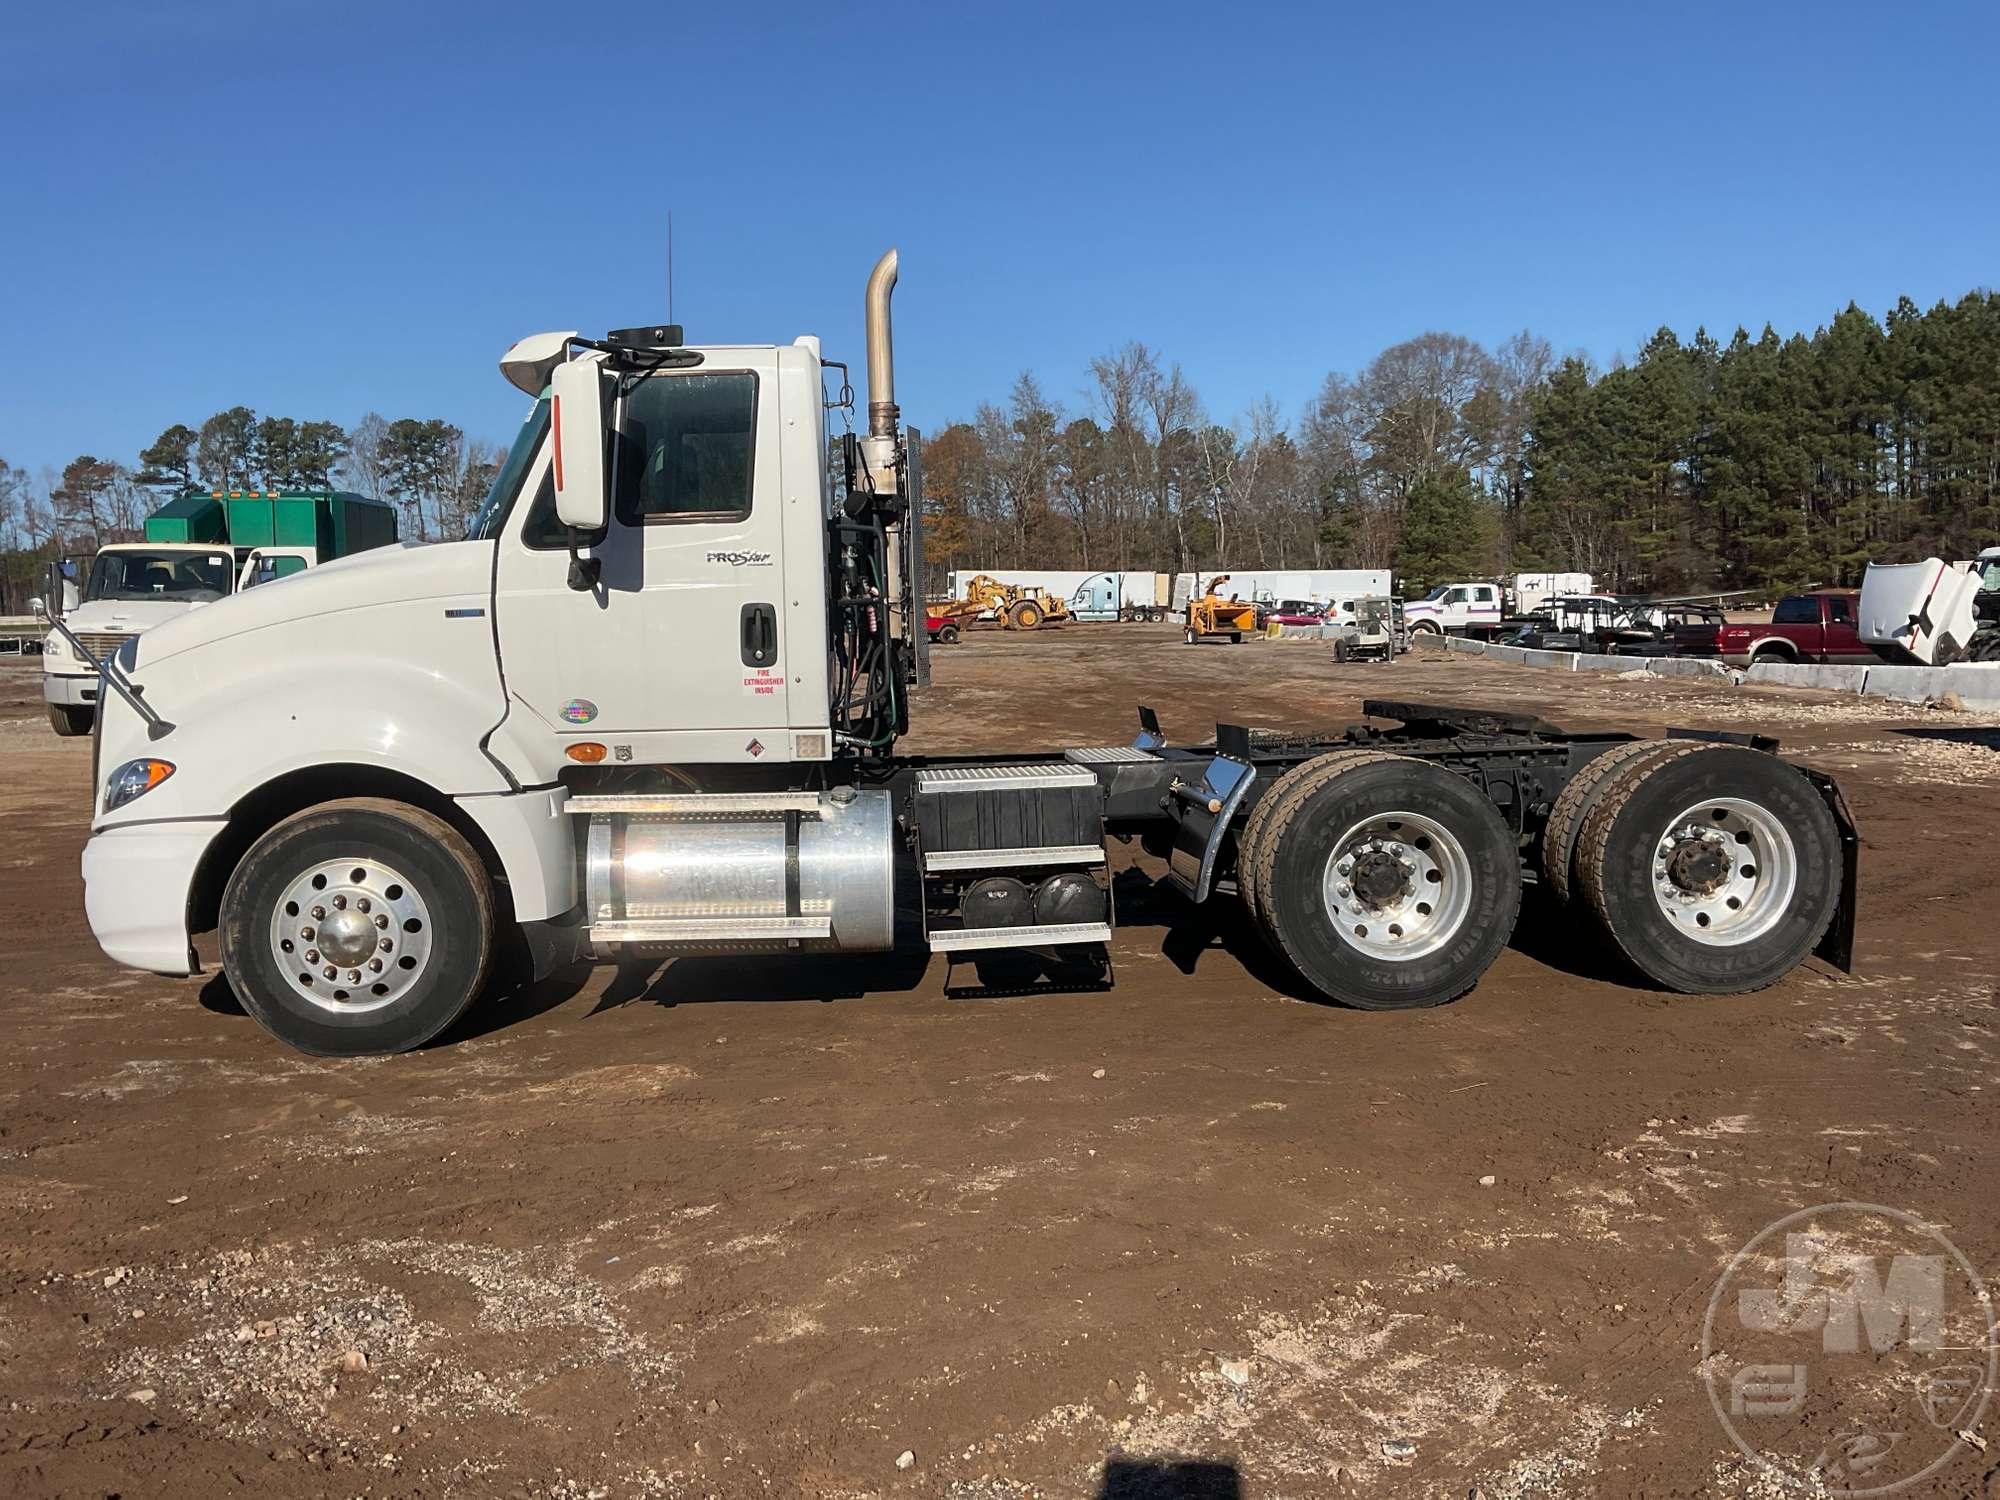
882	412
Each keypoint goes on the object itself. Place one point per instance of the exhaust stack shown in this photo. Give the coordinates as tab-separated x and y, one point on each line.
879	447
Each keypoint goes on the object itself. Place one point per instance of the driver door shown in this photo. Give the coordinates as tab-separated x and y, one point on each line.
677	655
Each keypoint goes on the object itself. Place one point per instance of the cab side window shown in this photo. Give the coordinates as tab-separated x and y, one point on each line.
1838	610
1800	609
686	448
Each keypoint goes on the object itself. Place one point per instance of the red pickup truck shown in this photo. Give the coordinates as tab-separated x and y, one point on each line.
1817	627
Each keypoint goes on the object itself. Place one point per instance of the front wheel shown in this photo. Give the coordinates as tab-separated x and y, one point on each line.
948	635
358	927
1027	615
1190	635
69	721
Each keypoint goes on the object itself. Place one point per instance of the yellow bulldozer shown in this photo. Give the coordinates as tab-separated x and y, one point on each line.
1010	605
1209	614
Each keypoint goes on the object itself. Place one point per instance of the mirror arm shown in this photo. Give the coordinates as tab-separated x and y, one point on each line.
584	572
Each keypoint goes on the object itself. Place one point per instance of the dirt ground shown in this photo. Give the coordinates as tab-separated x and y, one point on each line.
765	1227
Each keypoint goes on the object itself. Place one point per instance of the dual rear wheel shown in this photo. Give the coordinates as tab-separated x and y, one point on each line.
1386	881
1390	883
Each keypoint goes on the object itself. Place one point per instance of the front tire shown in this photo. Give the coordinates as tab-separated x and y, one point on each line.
1387	882
358	927
69	721
948	635
1027	615
1715	872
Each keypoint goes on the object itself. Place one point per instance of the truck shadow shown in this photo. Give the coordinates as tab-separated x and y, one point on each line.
1990	738
1544	932
1170	1479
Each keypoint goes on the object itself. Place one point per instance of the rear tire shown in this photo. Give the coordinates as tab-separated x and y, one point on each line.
69	721
1715	872
1578	796
1027	615
1445	871
948	635
1190	635
1235	637
419	903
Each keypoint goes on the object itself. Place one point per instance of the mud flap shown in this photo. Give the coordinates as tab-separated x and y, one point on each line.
1837	946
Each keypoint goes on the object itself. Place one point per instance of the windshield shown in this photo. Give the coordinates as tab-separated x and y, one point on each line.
1989	575
492	513
196	577
1438	593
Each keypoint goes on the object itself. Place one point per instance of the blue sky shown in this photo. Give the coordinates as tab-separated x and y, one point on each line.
321	209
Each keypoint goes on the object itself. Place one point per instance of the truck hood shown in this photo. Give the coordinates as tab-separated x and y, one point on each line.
129	614
403	574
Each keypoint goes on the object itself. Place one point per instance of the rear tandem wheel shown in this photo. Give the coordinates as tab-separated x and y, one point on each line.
1715	870
1389	883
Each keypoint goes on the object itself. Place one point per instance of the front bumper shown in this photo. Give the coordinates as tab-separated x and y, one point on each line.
136	879
72	690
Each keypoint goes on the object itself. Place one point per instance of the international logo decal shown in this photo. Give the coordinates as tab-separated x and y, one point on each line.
579	711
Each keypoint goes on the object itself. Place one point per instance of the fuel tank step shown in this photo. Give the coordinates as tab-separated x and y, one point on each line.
973	939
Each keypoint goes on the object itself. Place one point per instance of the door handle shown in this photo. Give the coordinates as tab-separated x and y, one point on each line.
760	635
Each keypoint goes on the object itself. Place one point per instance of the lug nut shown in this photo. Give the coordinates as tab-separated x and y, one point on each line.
340	903
306	933
385	945
362	904
375	965
382	920
330	972
319	913
312	955
354	976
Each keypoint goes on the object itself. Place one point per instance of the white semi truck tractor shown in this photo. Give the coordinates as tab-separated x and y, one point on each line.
651	703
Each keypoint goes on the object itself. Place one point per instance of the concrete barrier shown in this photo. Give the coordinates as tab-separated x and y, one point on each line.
1976	686
1561	661
1590	661
1827	677
1465	647
1976	683
1689	666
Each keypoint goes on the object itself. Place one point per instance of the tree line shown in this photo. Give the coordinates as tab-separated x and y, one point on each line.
427	467
1760	463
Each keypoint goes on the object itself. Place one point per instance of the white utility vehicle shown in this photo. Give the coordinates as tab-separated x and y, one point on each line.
650	704
1485	608
130	587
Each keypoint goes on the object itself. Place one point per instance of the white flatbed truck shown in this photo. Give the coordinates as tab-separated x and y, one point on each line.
651	703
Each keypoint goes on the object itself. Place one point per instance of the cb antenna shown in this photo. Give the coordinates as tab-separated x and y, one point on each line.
670	265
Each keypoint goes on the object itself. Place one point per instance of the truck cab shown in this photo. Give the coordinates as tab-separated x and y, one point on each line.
1456	609
199	548
129	587
1821	626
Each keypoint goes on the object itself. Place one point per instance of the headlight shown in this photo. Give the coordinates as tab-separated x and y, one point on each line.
53	646
134	779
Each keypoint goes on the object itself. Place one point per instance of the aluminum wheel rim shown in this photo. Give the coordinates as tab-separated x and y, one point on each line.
351	935
1397	886
1746	901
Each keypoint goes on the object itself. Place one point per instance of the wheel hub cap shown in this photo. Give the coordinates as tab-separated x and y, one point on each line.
1724	871
1397	886
351	935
